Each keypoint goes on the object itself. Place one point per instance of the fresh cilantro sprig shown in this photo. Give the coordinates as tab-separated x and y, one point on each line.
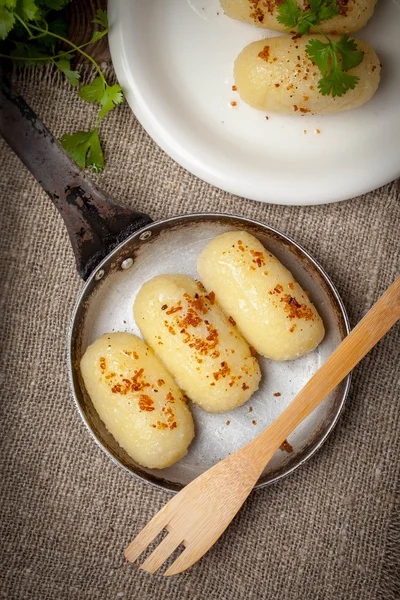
333	59
30	31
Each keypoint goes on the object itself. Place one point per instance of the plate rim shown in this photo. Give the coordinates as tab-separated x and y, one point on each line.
153	126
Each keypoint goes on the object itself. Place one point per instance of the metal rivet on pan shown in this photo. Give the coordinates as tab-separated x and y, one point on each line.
99	274
127	263
145	235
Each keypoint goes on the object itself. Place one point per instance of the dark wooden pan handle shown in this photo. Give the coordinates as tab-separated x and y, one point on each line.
95	223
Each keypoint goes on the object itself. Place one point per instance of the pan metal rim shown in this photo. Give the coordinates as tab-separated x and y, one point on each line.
308	453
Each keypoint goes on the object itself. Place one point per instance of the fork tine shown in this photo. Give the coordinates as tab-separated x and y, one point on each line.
183	562
162	552
147	535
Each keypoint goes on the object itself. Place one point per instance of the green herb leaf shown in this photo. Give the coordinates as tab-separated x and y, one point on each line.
348	50
94	91
102	93
28	9
97	35
7	21
328	10
26	52
289	13
85	149
101	18
337	83
112	97
64	65
320	53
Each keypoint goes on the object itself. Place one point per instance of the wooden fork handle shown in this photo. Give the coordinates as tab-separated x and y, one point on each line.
379	319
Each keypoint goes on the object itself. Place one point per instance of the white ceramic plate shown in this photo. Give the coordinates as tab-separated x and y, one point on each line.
174	60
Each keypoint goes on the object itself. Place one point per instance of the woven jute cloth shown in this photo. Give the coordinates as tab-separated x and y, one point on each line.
330	531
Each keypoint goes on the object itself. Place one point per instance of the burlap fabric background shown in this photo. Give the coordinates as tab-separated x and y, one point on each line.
331	531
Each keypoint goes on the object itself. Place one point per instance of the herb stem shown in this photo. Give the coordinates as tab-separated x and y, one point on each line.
44	57
23	24
322	33
76	48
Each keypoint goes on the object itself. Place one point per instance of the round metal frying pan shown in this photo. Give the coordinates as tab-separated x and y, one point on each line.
117	250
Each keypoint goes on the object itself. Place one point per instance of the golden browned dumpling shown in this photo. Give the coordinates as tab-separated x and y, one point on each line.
197	342
137	400
276	75
353	15
271	310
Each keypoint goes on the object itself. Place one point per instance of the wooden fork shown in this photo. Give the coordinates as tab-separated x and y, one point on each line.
198	515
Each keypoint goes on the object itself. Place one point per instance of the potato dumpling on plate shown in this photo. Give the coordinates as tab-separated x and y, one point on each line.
137	400
271	310
197	342
277	75
353	14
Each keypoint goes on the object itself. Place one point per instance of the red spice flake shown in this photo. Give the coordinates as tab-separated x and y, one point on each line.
296	36
215	354
160	382
312	87
278	289
161	425
173	425
146	403
286	447
318	131
252	351
293	327
211	297
117	389
277	394
274	59
267	118
198	303
232	321
291	285
234	88
296	310
373	68
103	364
245	387
212	383
110	375
265	272
306	98
305	110
233	103
254	422
174	309
295	107
258	258
170	398
290	86
171	330
228	422
250	409
164	307
222	372
264	54
277	85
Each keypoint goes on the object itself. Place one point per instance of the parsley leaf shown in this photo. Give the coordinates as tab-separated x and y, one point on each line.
102	93
28	9
64	64
289	13
337	83
7	21
348	50
320	53
84	148
101	18
335	80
